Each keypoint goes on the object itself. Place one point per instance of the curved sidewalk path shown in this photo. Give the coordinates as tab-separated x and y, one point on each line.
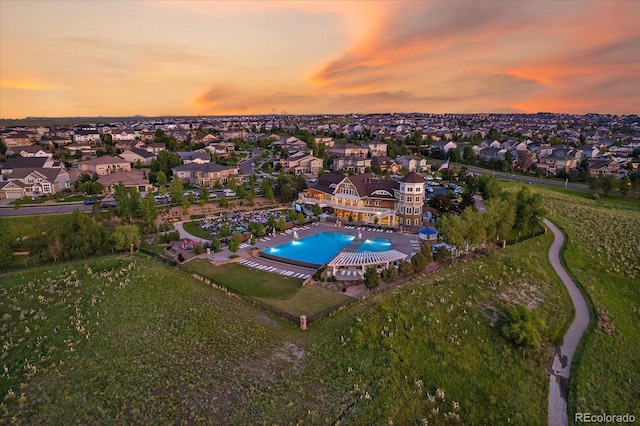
559	377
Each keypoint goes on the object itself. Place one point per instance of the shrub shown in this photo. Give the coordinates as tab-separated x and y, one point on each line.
180	257
523	326
371	278
197	216
198	249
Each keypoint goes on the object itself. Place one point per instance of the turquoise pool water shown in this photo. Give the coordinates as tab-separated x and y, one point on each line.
320	248
377	244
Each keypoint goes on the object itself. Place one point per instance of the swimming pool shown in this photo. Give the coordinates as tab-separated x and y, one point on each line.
318	249
376	244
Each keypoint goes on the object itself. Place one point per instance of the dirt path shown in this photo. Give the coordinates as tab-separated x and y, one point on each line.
559	377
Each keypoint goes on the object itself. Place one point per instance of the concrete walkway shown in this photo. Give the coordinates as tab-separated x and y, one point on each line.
559	377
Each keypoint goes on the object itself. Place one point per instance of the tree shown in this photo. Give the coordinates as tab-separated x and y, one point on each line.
225	230
282	224
607	183
523	327
215	245
127	201
234	243
469	155
625	185
419	262
525	160
450	228
3	147
405	268
300	219
317	210
164	162
126	236
442	253
371	277
529	211
176	190
161	178
148	209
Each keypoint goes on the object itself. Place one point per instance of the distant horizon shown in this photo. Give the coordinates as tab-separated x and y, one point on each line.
140	116
200	58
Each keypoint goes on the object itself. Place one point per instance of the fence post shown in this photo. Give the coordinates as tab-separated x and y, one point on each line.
303	322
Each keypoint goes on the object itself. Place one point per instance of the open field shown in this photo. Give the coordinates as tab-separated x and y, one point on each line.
247	281
603	256
130	340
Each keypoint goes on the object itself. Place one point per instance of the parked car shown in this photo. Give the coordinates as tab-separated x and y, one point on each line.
108	203
89	202
229	193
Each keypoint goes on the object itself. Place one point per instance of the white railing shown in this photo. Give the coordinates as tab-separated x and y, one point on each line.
349	207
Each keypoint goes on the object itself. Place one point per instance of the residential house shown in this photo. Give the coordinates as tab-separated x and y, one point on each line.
303	164
221	149
326	141
412	163
352	163
90	136
154	148
16	139
590	151
85	149
562	160
137	156
605	167
129	180
376	148
384	163
443	145
207	174
348	149
123	145
33	182
54	142
28	163
33	151
199	157
123	135
104	165
492	154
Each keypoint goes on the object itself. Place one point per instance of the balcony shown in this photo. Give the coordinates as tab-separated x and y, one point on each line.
343	206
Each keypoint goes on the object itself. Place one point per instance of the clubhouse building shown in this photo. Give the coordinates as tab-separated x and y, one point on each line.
368	199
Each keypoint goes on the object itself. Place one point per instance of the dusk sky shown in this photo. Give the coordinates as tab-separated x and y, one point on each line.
119	58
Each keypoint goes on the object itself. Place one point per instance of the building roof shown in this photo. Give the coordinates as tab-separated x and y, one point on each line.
206	167
413	177
105	159
127	179
25	162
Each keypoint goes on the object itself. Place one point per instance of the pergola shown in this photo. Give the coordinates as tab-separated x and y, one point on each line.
362	260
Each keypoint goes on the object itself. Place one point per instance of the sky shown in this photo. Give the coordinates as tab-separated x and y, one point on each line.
153	58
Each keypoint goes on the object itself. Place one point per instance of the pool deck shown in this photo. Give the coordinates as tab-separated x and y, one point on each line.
405	243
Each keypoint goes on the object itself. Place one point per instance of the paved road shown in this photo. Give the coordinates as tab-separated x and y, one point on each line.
559	377
44	209
247	165
527	179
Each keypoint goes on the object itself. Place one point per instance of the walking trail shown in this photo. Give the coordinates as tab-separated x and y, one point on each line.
559	377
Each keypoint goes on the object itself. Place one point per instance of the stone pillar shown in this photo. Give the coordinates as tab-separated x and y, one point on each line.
504	243
303	322
208	252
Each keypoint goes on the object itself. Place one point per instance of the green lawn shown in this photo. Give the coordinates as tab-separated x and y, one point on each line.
130	340
248	281
308	300
193	229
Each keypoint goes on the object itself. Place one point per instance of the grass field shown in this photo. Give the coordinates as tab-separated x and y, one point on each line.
603	255
193	229
130	340
283	293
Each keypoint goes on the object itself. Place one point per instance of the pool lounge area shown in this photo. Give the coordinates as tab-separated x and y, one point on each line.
318	249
